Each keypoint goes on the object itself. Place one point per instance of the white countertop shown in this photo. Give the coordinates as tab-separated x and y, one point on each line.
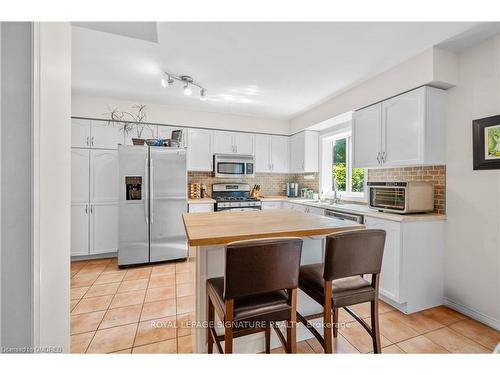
360	209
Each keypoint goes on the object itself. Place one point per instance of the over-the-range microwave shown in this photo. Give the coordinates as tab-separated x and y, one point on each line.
403	197
233	166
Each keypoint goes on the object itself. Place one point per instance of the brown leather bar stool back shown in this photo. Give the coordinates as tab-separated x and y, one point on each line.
339	282
256	267
259	285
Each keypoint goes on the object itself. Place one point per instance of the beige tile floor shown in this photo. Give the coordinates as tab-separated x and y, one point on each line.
145	310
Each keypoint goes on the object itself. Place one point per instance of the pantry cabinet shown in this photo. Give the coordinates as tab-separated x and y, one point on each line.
94	206
304	152
233	143
272	153
199	150
408	129
95	134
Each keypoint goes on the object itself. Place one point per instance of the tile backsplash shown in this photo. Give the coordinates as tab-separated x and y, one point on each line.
271	184
435	173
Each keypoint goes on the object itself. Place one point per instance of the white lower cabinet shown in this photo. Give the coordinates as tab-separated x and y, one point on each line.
200	207
272	205
411	278
80	229
391	262
103	228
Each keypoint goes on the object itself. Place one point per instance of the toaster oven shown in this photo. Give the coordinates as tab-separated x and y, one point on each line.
402	196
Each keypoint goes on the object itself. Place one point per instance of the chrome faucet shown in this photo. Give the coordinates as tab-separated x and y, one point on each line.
336	195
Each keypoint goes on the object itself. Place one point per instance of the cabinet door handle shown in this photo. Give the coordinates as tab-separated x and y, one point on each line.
87	141
92	141
91	209
378	158
86	209
383	157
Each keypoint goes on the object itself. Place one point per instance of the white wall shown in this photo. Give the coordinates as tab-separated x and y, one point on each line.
96	107
472	258
16	185
431	67
54	183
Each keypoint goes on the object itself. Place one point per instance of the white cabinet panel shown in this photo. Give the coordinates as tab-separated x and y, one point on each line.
262	153
243	143
280	153
200	207
223	143
391	262
366	131
80	175
403	125
233	143
304	152
272	205
80	133
79	229
408	129
104	176
106	135
104	228
199	152
148	132
316	211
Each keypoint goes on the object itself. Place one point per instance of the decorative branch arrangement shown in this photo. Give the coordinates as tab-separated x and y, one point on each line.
128	121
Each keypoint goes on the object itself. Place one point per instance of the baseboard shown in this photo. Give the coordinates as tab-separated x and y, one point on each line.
472	313
95	256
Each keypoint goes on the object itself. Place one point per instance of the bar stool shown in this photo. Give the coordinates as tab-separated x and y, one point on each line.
339	282
259	288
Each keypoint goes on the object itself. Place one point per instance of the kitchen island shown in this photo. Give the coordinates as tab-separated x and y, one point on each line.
208	232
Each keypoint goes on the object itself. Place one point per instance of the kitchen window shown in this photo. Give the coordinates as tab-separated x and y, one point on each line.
337	164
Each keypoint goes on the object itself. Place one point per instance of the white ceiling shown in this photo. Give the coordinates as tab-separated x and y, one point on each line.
273	70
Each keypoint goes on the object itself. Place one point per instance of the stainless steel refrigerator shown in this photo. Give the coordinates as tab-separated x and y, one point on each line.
153	188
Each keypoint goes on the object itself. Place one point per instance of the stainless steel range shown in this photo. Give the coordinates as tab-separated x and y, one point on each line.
234	197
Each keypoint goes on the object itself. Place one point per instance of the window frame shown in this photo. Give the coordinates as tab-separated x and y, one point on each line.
329	141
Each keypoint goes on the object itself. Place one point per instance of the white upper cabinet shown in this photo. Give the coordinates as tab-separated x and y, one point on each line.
367	133
104	176
223	143
243	143
304	152
272	153
199	151
405	130
106	135
80	132
233	143
95	134
280	153
262	153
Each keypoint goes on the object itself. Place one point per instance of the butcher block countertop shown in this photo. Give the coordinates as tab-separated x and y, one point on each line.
212	228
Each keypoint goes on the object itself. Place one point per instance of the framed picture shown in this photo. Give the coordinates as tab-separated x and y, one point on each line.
486	142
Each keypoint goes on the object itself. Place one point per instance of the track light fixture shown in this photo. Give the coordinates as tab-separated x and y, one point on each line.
188	82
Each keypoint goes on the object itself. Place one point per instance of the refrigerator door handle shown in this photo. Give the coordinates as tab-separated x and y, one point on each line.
146	194
151	179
